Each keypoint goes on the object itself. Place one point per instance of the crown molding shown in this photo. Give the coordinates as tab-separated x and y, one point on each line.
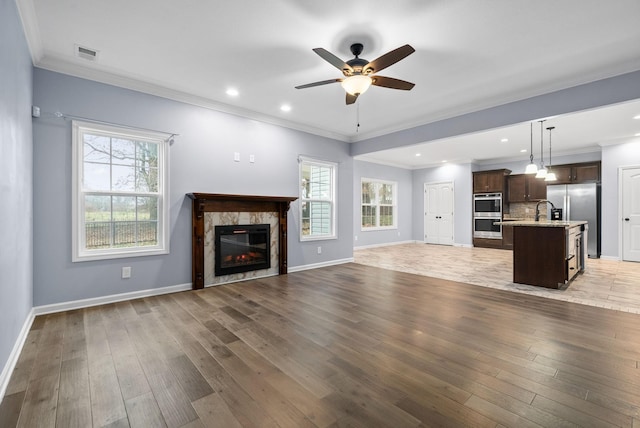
139	84
29	19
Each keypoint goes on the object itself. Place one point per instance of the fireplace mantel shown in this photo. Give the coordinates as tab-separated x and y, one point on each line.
217	202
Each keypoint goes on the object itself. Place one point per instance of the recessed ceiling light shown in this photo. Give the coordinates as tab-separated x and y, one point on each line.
504	140
418	154
523	151
232	92
444	161
285	107
637	135
636	116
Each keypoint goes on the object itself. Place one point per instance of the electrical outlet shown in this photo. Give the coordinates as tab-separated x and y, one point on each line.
356	237
126	272
319	250
252	158
236	156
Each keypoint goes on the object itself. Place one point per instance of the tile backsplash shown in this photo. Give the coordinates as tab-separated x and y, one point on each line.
526	210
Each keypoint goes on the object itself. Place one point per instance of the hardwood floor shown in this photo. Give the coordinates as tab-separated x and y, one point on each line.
342	346
607	284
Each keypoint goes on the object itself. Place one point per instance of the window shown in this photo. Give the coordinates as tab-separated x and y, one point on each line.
120	180
317	200
378	204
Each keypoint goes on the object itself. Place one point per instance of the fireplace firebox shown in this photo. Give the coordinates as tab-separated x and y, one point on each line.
242	248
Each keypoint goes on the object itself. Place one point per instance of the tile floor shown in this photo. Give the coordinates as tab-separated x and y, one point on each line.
605	283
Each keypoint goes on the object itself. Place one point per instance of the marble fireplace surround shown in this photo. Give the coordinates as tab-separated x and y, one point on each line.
212	209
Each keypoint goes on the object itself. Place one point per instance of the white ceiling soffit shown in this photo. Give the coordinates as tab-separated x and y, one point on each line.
470	55
581	132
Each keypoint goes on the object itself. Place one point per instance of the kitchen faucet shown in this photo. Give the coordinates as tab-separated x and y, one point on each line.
538	208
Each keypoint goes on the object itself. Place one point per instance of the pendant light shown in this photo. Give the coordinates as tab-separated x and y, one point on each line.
532	168
542	171
551	176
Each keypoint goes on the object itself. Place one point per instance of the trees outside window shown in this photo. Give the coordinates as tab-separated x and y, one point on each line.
378	203
120	191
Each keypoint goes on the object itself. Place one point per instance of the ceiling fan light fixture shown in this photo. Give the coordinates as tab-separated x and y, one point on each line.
356	85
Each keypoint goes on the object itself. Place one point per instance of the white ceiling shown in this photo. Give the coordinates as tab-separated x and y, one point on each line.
470	55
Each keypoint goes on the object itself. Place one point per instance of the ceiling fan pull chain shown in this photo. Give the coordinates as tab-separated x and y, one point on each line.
357	117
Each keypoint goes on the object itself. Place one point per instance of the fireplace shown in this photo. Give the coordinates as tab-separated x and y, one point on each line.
215	209
242	248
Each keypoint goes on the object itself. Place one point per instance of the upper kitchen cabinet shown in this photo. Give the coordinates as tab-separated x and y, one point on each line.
526	188
493	181
588	172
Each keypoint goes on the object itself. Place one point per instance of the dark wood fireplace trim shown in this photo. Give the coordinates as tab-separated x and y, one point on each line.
217	202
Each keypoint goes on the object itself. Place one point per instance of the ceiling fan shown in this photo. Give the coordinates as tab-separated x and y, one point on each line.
360	73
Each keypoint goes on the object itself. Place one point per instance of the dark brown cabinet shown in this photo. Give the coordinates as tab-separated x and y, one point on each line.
588	172
507	237
493	181
546	256
526	188
487	243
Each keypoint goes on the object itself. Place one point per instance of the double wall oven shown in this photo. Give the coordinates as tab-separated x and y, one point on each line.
487	210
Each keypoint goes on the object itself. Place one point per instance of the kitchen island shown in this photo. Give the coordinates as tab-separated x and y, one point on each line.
547	253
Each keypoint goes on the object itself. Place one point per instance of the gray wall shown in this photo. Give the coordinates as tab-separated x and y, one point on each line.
405	199
603	92
201	160
625	87
15	181
461	177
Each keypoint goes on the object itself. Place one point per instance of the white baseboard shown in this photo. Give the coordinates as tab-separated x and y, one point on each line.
86	303
5	376
612	258
364	247
386	244
319	265
463	245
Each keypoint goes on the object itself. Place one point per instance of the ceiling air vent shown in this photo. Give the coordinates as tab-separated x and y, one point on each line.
86	53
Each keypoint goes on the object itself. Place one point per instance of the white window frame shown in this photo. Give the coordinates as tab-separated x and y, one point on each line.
306	200
377	204
79	251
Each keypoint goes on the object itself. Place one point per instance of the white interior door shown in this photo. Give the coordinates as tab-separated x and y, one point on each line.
438	213
631	214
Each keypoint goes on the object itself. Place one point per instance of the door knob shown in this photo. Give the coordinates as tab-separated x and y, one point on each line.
626	219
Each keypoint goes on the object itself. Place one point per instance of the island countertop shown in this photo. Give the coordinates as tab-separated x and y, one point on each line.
542	223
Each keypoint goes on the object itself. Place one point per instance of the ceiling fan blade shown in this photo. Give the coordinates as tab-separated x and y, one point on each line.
351	98
333	60
390	82
388	59
323	82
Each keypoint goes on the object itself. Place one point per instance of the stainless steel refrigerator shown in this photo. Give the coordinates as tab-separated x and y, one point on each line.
580	202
